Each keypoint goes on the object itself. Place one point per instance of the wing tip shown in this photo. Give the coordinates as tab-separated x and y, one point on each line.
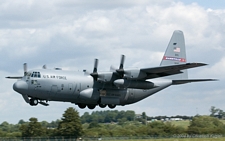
175	82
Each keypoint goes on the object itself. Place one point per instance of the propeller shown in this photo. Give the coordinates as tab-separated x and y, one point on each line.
19	77
112	68
25	68
95	73
121	70
122	61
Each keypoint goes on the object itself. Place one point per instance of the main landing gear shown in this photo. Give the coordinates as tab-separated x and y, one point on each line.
92	106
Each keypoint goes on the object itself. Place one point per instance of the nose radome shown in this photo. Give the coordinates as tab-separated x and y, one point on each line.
20	86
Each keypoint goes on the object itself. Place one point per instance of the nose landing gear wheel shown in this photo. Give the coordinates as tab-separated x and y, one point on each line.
33	102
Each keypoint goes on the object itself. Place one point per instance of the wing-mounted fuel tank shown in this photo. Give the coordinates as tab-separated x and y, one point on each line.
136	84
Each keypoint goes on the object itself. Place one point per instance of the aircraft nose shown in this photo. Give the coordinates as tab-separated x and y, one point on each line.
20	86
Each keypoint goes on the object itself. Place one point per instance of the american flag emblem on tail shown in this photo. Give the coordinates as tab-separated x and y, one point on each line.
176	49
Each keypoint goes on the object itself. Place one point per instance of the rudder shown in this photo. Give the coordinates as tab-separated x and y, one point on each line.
175	54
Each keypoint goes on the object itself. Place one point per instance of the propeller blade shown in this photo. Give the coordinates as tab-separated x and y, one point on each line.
95	73
19	77
122	61
112	68
95	66
14	77
25	68
120	71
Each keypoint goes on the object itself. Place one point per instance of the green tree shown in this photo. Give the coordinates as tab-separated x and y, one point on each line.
21	121
144	115
70	124
5	126
213	111
32	129
130	115
206	125
93	125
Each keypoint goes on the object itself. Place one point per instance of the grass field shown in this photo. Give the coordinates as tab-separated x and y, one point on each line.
223	121
183	123
175	139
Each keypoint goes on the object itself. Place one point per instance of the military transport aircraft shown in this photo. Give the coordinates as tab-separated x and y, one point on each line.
116	87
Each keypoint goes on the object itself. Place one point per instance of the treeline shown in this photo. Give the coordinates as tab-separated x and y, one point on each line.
68	125
122	116
110	124
108	116
199	125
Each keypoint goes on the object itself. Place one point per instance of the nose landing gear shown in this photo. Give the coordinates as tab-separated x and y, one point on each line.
34	102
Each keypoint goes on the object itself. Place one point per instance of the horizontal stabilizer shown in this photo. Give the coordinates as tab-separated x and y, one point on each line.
177	82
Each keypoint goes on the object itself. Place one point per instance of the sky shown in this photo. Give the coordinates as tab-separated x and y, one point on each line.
71	34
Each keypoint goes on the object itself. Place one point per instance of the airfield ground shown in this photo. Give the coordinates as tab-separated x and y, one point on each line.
188	139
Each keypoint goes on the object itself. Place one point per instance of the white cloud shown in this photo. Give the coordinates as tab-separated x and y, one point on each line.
71	34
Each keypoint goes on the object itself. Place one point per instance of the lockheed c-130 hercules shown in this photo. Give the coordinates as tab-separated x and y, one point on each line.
116	87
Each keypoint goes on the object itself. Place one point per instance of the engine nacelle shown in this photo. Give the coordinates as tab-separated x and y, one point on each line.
136	84
89	94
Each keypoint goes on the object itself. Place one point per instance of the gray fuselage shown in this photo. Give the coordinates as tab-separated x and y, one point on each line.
78	88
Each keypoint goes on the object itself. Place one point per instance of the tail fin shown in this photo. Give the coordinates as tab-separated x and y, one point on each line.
176	54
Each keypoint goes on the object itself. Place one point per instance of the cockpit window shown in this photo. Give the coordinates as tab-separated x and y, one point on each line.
36	74
39	75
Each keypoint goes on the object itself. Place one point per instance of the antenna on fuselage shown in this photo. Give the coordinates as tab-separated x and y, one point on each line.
44	67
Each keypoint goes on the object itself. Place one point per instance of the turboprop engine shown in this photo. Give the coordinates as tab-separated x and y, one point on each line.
89	94
136	84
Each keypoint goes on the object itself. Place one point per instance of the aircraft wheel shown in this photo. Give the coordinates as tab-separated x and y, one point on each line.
33	102
111	106
102	105
91	106
82	106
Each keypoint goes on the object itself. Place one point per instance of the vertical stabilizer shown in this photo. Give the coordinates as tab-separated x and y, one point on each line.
175	54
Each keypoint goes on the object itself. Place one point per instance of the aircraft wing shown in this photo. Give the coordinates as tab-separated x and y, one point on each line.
16	77
177	82
162	71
